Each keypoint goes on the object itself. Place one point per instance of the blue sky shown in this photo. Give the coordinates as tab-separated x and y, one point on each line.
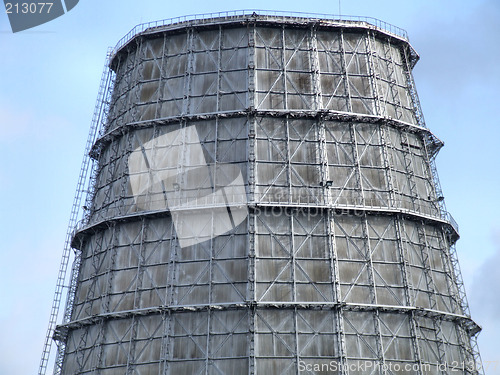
48	86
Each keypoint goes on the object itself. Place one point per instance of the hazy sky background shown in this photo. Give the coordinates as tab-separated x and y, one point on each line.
48	87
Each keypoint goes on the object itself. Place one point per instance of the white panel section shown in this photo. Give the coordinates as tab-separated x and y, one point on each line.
170	172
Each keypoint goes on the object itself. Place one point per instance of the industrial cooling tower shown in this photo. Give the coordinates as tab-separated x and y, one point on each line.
264	200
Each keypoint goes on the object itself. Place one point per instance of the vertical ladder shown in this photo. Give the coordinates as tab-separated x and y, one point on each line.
74	216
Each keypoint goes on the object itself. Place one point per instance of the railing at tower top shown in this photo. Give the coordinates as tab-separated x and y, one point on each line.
203	18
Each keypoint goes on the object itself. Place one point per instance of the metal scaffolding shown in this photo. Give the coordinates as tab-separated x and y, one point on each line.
263	198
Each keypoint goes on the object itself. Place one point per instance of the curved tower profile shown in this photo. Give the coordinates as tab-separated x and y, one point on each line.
264	200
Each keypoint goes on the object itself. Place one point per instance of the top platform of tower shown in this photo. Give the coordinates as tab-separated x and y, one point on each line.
266	17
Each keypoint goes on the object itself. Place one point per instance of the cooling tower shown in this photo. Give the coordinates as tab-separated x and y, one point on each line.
265	201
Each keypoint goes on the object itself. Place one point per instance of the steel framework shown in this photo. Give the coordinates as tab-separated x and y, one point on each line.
345	256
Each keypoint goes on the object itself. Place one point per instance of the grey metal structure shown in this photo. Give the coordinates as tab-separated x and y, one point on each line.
340	252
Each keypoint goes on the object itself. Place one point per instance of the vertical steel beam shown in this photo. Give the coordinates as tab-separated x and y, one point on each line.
426	264
391	78
99	360
189	71
323	161
293	265
251	102
81	355
339	313
251	287
106	296
316	72
132	343
344	73
388	162
160	86
284	66
409	169
409	291
373	292
356	166
131	357
136	75
219	70
373	69
288	162
419	115
125	177
451	287
431	289
166	341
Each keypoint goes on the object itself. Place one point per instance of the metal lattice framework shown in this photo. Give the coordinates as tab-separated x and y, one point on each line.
346	254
